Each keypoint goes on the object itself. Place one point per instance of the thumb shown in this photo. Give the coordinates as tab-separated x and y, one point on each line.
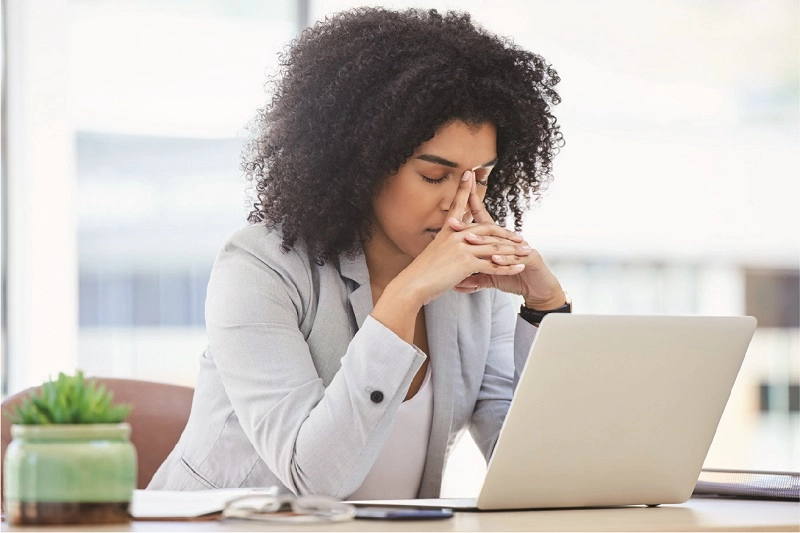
484	281
474	283
455	224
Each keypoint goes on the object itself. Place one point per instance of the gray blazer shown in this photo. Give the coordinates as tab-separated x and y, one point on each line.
284	394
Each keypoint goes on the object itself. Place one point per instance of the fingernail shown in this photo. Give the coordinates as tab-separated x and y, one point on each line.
497	258
465	176
454	220
471	235
526	248
518	267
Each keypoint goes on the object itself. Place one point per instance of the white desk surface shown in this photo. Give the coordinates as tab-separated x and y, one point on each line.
695	515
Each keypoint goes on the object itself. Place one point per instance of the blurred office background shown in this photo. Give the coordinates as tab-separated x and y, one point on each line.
676	193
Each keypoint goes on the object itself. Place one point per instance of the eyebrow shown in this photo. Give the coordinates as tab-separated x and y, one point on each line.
447	163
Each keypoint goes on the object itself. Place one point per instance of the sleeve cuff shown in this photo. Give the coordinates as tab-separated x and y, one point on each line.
524	335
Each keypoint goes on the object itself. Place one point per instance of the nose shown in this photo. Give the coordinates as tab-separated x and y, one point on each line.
448	194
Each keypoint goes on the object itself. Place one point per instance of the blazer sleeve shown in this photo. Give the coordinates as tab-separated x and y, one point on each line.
511	340
316	440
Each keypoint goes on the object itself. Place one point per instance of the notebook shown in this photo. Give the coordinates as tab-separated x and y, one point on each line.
748	484
611	411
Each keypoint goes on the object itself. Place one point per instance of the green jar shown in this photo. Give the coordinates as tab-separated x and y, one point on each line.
69	474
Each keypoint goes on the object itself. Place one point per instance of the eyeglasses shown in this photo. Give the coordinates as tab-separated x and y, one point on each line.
288	508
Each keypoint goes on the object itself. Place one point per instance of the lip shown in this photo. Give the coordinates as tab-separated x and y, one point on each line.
433	231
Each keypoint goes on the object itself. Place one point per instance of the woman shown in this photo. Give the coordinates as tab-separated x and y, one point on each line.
365	320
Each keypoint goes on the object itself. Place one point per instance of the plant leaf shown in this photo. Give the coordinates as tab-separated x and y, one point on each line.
69	400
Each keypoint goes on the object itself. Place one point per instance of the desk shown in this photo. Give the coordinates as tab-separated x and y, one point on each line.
695	515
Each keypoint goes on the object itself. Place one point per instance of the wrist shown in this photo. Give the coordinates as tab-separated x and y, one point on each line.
535	315
555	302
397	310
407	291
404	297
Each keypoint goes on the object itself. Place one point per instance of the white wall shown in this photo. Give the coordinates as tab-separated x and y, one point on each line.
42	240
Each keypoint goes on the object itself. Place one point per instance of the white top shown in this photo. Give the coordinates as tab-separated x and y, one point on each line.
397	471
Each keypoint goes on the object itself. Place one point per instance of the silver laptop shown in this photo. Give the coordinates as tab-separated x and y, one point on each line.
611	411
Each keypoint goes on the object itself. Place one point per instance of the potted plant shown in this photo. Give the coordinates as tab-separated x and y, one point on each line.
70	460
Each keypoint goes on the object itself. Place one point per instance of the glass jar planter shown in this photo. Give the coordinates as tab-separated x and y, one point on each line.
69	474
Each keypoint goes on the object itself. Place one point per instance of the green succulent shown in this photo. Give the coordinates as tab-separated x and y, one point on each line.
69	400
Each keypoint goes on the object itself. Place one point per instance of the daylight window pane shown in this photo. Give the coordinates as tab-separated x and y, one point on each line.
159	113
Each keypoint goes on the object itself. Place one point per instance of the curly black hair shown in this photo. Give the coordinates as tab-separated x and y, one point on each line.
357	93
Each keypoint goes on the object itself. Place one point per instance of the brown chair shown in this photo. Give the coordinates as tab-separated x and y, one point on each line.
160	412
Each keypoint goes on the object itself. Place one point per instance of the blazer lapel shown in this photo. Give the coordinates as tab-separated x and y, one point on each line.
360	297
441	320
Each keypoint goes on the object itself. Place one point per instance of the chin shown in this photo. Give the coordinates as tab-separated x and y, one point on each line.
411	246
413	251
418	249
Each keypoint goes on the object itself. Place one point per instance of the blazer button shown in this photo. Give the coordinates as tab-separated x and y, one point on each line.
376	396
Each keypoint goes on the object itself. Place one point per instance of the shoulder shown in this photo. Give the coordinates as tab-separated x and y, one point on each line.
253	264
262	247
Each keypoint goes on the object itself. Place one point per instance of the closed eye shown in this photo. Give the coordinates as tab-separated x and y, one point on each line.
438	181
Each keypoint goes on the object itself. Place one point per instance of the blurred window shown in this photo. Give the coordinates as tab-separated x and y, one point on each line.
773	297
159	112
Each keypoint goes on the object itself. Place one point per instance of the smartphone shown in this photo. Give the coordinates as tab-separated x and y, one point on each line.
402	513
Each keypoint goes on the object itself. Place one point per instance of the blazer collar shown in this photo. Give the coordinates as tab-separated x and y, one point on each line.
355	269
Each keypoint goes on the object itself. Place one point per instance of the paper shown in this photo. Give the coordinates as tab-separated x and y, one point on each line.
187	504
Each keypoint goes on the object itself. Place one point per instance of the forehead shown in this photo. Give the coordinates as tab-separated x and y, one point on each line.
469	145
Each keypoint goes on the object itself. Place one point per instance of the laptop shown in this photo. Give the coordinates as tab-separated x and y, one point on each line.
610	411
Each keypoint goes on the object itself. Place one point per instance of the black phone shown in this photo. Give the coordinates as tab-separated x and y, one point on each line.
402	513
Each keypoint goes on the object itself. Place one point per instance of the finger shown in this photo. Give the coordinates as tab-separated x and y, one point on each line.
486	251
459	205
507	259
475	283
478	209
500	244
466	289
482	267
456	225
490	267
491	230
468	218
471	284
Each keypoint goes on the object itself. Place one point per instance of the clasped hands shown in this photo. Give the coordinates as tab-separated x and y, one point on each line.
490	256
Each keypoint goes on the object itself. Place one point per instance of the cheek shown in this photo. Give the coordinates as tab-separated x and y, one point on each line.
398	204
409	194
385	209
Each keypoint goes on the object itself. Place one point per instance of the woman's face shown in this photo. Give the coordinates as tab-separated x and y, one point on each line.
412	206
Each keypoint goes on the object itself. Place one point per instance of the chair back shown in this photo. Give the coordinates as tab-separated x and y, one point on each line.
159	415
